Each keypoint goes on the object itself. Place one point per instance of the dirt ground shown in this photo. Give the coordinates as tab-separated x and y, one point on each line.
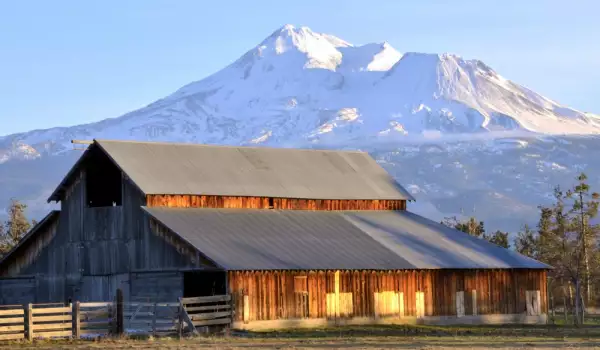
341	343
376	337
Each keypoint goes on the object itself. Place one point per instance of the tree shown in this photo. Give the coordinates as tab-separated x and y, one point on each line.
526	242
584	208
15	227
499	238
477	229
471	226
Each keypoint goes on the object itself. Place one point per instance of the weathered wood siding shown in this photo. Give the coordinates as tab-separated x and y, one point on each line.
148	250
103	288
17	290
275	295
29	252
192	201
90	252
156	286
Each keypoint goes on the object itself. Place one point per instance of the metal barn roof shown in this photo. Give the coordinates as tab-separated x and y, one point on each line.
322	240
175	168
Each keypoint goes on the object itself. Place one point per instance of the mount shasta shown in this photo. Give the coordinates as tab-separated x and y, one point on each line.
460	137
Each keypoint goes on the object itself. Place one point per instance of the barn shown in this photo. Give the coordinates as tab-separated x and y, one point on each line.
296	237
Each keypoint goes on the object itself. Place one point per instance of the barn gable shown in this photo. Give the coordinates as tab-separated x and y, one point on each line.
170	168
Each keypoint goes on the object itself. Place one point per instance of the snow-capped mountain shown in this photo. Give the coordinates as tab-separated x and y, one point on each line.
299	88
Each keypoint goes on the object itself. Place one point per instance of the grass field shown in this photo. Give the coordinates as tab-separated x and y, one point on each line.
375	337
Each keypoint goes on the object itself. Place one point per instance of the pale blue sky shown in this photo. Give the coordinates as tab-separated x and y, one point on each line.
70	62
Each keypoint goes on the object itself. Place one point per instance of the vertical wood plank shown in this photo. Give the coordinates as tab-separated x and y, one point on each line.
474	302
246	308
337	293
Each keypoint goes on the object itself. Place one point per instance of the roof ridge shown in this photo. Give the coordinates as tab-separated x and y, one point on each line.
226	146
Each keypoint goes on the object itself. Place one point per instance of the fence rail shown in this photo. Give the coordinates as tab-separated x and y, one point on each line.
12	323
100	319
207	311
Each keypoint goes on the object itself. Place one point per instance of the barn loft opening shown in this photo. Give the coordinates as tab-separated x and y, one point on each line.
102	180
204	283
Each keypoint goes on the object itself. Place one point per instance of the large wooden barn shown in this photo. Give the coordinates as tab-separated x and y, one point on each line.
297	237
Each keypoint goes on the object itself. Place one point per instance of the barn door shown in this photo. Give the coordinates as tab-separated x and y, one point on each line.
301	296
460	304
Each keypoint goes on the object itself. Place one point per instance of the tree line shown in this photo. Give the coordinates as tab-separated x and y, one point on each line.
15	227
565	238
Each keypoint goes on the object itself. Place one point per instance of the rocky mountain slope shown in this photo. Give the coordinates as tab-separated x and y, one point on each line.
453	130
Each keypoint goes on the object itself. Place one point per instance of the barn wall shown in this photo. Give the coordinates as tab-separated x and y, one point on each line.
90	252
148	250
156	286
17	290
57	268
192	201
277	295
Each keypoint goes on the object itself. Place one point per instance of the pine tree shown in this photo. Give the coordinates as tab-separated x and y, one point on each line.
4	242
585	208
526	242
499	238
17	225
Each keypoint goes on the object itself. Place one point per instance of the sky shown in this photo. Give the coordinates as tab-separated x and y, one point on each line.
71	62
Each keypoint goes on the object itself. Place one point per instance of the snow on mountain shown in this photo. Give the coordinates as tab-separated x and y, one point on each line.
301	87
455	132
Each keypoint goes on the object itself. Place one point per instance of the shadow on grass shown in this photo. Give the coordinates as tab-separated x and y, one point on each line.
505	331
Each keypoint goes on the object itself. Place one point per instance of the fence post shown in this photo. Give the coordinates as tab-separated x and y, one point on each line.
76	320
180	316
154	321
120	326
552	307
29	312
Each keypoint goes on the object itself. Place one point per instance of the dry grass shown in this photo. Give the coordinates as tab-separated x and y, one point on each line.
372	337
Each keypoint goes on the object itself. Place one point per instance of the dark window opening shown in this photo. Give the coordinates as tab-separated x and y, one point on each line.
271	203
204	283
102	181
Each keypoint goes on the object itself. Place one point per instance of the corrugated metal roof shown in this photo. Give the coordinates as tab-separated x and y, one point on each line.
172	168
242	239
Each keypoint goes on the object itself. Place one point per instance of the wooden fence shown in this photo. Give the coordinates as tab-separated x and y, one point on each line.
49	321
93	319
152	318
12	322
100	319
207	311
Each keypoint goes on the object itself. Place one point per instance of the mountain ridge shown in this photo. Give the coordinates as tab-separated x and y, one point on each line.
300	88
